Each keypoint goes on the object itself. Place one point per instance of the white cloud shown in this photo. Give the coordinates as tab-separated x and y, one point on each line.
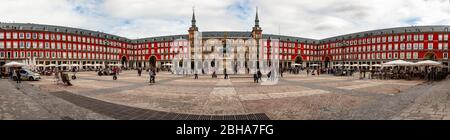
147	18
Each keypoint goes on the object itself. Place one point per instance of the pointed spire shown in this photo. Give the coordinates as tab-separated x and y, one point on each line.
193	17
256	18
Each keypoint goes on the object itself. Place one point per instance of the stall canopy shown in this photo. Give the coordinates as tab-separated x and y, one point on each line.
399	63
14	64
376	65
428	63
52	65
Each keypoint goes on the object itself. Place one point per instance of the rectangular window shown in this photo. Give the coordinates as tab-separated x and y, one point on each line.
21	45
21	36
14	36
416	55
445	55
440	37
28	36
408	55
445	37
416	46
430	37
35	36
402	46
445	46
420	46
440	46
28	45
1	45
1	35
2	54
430	46
408	46
8	35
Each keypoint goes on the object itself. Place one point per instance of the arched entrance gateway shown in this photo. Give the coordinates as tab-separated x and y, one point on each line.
327	61
152	61
298	60
124	61
430	56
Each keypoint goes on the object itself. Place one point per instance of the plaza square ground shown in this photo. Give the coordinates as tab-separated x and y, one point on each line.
294	97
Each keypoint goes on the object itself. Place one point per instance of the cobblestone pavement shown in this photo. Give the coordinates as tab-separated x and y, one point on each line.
294	97
24	101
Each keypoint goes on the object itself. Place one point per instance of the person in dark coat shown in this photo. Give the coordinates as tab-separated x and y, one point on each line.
259	75
19	80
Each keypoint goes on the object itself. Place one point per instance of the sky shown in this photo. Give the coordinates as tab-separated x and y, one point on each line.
316	19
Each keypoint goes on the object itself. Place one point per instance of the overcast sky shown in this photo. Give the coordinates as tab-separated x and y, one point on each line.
315	19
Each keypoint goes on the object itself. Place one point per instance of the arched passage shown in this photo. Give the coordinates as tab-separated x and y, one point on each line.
124	61
327	61
298	60
430	56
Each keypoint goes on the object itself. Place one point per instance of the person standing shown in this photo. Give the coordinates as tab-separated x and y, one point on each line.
259	75
139	72
196	75
281	72
18	76
307	72
255	78
225	74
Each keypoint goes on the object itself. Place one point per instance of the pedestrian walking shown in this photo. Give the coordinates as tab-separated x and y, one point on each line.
18	79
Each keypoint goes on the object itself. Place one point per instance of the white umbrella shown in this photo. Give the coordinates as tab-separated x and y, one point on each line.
52	65
364	65
63	65
75	65
295	64
168	64
338	65
315	65
398	63
428	63
355	65
98	65
40	65
14	64
88	65
376	65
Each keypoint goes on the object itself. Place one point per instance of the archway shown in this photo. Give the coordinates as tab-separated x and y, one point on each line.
124	61
152	61
327	62
298	60
430	56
